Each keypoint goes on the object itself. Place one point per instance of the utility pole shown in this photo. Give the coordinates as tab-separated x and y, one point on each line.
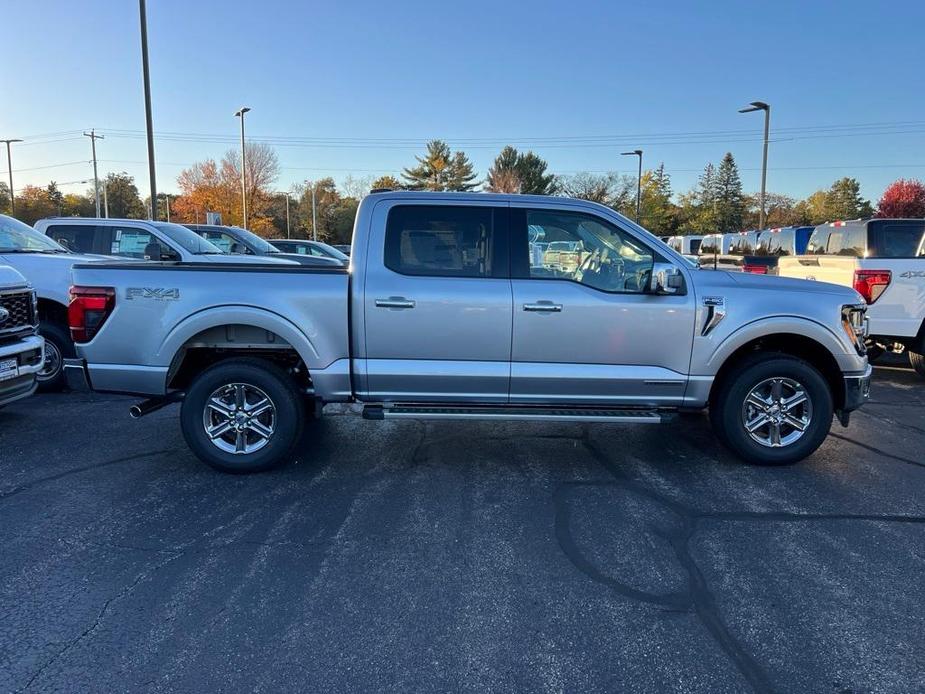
167	195
637	153
240	114
106	197
149	125
761	106
288	236
9	163
96	181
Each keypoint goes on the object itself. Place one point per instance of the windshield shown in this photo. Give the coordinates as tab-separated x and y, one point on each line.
331	251
189	240
17	237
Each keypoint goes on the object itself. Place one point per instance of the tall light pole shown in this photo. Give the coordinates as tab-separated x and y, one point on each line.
761	106
9	163
636	153
167	195
240	114
96	180
288	236
314	220
149	125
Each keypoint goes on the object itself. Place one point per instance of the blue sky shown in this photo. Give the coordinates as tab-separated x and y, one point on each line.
477	74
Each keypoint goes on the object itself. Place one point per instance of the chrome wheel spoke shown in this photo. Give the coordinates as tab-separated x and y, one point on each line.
219	429
217	405
756	401
240	396
258	408
796	423
756	423
797	398
240	442
776	389
260	429
774	433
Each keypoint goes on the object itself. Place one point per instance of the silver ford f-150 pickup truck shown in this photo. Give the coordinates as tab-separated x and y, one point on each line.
21	347
450	309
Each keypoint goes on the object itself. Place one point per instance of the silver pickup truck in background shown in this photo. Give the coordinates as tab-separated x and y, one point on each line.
447	312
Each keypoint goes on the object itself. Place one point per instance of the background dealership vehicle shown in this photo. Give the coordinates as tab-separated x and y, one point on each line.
685	245
772	245
312	249
447	313
727	251
47	267
21	348
241	241
883	260
139	239
343	248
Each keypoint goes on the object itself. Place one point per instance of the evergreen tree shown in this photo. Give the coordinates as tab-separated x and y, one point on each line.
513	172
441	170
730	203
658	214
700	205
844	201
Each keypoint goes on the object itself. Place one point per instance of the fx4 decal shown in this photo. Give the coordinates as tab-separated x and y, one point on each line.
909	274
156	293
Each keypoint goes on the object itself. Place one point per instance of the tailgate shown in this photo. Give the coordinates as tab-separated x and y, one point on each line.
822	268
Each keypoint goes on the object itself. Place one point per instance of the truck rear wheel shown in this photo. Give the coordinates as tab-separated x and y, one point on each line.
243	415
773	410
918	363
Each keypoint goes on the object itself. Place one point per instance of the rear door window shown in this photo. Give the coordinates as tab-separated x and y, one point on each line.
444	241
128	242
818	242
75	237
895	239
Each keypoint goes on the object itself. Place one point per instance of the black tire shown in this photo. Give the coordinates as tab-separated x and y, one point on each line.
58	346
918	363
267	379
727	411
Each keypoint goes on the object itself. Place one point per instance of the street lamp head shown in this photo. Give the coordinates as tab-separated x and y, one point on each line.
755	106
635	152
241	111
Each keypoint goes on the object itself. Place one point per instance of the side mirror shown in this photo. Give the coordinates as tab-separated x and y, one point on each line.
666	279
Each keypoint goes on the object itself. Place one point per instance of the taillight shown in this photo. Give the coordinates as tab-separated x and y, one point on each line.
88	310
755	269
871	283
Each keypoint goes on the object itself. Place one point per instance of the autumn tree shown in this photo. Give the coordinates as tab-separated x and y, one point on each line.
4	198
34	203
780	211
609	189
440	170
903	198
334	213
514	172
356	187
387	181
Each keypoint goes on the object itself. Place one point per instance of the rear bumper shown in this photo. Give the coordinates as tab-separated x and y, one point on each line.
857	390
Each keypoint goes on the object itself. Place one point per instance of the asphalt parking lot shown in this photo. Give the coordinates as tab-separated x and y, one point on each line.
461	556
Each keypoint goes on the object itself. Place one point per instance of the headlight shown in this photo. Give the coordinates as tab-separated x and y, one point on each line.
854	323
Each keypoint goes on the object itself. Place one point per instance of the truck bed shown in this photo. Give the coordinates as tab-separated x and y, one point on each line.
162	309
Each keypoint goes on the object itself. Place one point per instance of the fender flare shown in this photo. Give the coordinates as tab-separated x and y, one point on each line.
777	325
218	316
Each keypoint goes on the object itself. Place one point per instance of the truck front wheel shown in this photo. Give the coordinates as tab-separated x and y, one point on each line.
773	409
243	415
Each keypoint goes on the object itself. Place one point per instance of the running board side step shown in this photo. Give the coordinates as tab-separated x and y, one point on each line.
519	413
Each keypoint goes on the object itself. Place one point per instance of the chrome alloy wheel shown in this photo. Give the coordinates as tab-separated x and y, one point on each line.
239	418
777	412
53	362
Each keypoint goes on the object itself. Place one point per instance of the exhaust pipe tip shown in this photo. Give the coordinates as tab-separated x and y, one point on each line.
135	412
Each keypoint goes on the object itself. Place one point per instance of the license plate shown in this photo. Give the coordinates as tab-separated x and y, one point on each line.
8	369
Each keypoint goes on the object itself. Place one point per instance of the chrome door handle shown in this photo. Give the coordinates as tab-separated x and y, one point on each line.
395	302
543	306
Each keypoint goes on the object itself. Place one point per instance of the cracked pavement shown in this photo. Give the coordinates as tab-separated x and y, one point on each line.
411	556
